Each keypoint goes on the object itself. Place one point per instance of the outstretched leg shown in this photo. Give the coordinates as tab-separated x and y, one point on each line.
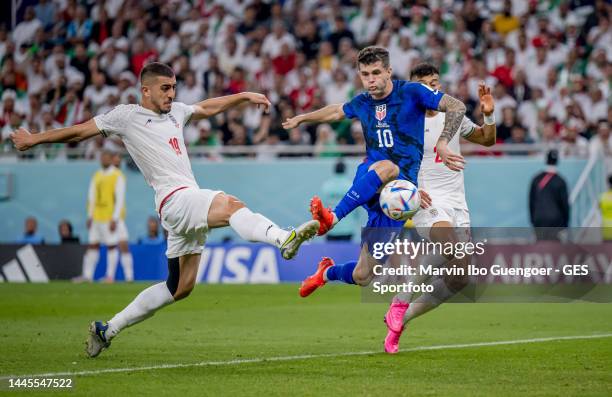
228	210
358	272
365	186
182	274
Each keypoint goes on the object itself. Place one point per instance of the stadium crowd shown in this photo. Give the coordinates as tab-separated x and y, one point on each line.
548	63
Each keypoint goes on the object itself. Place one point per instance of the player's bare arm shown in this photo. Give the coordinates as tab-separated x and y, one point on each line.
213	106
454	110
326	114
24	140
486	134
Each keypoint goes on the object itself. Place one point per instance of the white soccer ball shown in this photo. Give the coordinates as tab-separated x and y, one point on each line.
400	200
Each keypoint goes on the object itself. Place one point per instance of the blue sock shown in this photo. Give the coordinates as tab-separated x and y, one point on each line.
342	273
361	192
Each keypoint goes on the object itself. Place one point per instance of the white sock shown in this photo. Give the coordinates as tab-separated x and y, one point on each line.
142	307
434	260
127	262
112	256
428	301
90	260
256	227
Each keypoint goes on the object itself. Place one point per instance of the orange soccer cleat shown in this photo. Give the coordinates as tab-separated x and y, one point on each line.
316	280
325	216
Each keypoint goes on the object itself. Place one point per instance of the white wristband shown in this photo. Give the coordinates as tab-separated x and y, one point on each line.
489	119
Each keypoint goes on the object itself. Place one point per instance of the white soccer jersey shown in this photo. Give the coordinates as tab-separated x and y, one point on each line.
155	142
443	184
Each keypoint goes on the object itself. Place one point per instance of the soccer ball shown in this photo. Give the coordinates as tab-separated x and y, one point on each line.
400	200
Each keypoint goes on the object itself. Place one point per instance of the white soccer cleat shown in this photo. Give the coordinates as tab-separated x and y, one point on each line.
297	236
96	340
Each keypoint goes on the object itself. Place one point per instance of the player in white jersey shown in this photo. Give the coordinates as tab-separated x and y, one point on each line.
153	135
447	218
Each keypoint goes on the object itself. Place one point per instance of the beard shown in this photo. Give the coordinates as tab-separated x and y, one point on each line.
162	110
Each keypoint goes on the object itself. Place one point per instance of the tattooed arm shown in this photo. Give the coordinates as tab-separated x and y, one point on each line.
454	110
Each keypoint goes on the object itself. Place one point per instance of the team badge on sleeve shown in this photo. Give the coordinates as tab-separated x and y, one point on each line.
381	112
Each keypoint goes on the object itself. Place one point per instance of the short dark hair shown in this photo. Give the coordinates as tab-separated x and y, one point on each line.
67	223
373	54
422	70
340	167
552	157
155	69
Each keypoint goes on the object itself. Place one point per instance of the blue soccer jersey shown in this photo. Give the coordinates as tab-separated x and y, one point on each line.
393	127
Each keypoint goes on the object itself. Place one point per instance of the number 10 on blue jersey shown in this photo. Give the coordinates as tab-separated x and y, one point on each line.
385	138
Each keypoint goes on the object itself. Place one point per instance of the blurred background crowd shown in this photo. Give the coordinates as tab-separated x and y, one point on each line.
547	63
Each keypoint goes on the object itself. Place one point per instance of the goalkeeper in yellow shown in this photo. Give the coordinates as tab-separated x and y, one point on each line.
106	220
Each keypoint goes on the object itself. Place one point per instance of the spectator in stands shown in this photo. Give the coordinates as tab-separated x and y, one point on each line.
112	61
101	28
505	22
7	107
66	233
502	101
549	201
325	145
168	44
47	121
30	234
340	88
518	135
45	12
26	30
549	63
79	29
341	31
188	91
573	144
365	25
98	93
15	122
153	236
273	42
504	130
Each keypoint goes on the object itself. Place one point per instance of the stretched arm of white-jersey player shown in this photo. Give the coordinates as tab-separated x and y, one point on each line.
23	140
213	106
485	135
91	199
119	197
334	112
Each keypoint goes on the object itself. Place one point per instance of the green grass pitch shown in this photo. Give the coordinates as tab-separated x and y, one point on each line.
43	328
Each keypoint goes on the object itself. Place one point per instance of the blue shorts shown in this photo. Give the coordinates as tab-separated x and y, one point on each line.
379	227
376	217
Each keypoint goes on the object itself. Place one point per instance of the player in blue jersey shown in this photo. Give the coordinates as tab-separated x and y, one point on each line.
392	114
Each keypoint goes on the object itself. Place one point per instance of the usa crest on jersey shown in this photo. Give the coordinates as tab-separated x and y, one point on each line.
381	112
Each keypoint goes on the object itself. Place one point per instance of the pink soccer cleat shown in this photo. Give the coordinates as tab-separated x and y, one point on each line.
394	318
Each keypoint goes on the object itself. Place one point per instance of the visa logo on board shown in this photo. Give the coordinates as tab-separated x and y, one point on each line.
238	265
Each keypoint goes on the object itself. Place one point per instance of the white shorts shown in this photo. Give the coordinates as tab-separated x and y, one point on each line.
185	216
100	233
424	219
122	232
